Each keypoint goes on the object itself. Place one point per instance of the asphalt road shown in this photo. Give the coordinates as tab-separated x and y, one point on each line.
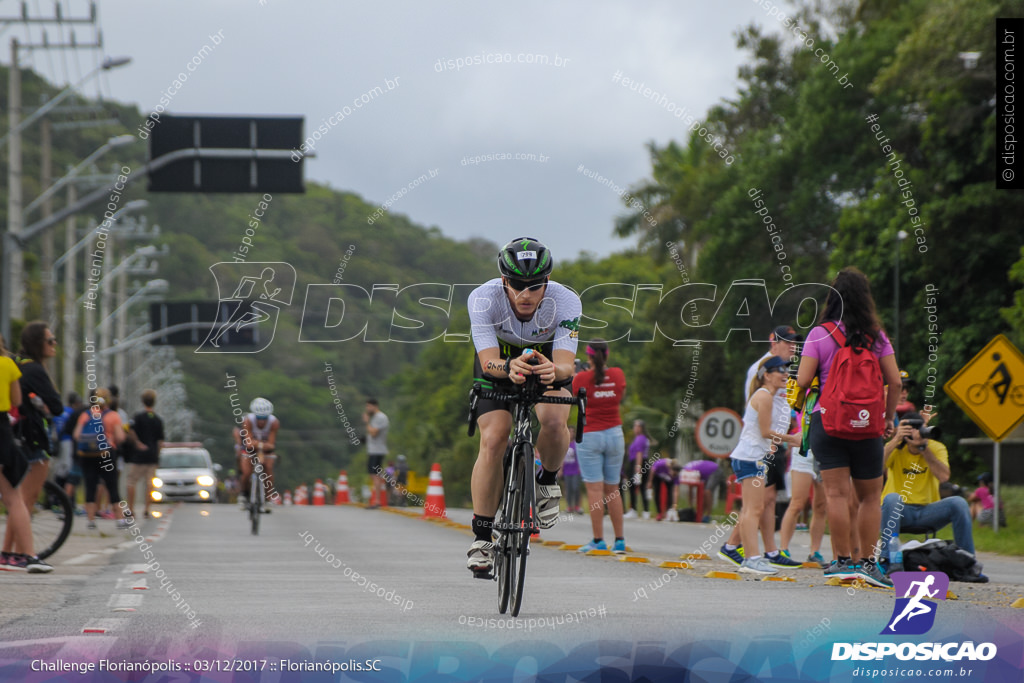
346	583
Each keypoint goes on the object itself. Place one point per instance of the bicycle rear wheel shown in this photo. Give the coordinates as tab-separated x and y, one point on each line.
255	503
520	543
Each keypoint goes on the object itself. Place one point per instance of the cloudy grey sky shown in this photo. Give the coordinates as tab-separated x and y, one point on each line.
316	57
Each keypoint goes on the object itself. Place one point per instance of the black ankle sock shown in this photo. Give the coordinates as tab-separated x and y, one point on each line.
842	558
547	478
620	538
482	527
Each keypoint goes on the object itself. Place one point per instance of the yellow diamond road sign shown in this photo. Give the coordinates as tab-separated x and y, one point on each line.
990	388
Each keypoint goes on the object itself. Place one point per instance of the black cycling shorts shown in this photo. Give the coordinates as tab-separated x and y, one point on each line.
484	406
775	468
864	457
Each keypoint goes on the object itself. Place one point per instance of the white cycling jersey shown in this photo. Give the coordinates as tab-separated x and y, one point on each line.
494	322
261	433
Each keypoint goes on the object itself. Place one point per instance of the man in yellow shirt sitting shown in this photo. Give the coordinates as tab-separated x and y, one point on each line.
915	467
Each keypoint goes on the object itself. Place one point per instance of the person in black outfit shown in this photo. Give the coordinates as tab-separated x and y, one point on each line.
147	433
37	345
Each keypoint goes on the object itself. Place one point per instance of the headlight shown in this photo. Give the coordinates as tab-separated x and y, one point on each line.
157	496
204	494
158	482
204	480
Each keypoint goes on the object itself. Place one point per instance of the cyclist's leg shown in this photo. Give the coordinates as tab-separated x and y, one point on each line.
486	487
245	467
553	437
487	475
269	461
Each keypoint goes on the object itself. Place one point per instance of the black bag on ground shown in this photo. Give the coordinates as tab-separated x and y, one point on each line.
942	556
687	515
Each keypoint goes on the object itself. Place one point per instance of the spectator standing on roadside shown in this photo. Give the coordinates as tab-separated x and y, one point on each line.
11	473
638	470
759	441
601	452
147	430
98	434
377	425
803	477
782	342
851	309
38	344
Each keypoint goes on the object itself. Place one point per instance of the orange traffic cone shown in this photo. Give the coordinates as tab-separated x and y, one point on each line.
434	506
300	495
341	491
373	497
287	497
319	493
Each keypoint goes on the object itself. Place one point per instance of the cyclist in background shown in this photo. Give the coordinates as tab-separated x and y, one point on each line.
258	435
520	310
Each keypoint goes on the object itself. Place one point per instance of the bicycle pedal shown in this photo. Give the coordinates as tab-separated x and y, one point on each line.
487	576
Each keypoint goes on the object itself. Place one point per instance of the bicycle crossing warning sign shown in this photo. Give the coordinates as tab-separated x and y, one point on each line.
990	388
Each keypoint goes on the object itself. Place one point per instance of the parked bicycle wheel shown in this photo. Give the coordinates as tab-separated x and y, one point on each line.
52	517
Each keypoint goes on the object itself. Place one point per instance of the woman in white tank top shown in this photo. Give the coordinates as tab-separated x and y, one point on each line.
762	432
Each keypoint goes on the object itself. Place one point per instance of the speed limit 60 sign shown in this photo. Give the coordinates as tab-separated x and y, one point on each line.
718	432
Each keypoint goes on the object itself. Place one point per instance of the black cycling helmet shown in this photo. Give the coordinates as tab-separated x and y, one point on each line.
524	258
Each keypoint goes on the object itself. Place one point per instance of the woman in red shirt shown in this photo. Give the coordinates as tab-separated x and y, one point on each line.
601	451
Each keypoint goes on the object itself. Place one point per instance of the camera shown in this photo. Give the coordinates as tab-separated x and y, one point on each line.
926	432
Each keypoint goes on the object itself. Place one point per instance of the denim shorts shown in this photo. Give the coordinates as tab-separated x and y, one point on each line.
34	455
600	455
745	469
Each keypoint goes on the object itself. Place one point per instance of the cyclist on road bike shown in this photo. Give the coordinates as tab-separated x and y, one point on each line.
257	437
520	310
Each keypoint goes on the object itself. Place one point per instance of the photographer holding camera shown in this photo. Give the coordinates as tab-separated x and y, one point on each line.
916	463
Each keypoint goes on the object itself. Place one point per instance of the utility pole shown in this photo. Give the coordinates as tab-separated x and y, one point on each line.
69	326
12	304
46	266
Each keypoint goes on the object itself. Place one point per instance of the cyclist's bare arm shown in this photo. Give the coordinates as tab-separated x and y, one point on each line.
491	362
268	445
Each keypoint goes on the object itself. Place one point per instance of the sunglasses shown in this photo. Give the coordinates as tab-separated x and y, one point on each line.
51	341
781	369
524	285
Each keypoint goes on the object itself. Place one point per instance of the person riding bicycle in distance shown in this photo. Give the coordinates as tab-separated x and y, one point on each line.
258	435
521	310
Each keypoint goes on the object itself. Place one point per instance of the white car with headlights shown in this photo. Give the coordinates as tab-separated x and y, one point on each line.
185	472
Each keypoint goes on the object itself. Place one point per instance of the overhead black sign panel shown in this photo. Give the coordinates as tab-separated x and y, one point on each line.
227	154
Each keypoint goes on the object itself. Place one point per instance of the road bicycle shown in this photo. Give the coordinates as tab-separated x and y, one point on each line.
52	517
516	520
257	493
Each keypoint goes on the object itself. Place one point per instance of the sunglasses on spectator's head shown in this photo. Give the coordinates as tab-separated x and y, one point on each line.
523	285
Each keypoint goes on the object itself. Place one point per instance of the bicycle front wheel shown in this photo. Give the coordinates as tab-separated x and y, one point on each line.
255	503
519	544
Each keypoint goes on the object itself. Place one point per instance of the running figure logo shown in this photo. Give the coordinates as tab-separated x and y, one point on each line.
914	613
251	310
